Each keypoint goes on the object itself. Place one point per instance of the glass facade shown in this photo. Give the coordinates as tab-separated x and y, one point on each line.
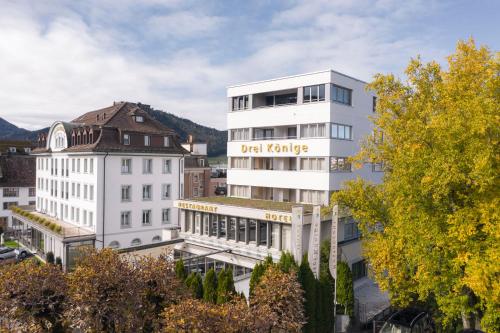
201	264
238	229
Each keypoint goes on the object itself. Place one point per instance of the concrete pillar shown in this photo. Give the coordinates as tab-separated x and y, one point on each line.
257	232
247	231
269	230
328	92
300	95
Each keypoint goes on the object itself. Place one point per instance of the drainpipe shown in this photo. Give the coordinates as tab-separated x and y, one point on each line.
104	199
179	187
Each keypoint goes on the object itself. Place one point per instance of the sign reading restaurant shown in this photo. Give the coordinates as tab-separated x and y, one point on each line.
235	211
297	149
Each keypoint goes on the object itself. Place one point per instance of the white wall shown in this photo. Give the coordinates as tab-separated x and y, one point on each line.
22	199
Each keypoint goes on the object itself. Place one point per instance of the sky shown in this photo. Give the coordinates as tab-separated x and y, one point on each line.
62	58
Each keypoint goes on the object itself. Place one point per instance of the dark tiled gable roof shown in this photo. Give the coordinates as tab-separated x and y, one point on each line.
17	171
110	123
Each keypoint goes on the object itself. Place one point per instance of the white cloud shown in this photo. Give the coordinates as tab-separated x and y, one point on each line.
57	63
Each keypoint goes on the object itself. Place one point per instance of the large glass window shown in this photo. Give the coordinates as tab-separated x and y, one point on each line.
313	130
125	219
240	103
340	164
240	134
263	134
343	132
231	231
146	217
214	224
165	215
358	270
312	197
312	163
262	233
314	93
240	162
167	166
126	192
252	230
241	230
197	223
206	223
165	191
223	226
341	95
146	192
10	192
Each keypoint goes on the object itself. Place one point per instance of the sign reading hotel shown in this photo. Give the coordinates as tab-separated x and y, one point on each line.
272	148
333	246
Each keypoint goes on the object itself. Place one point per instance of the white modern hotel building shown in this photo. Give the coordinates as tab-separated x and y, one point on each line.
288	145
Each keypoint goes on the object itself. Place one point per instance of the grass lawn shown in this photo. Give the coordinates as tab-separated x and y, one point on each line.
11	243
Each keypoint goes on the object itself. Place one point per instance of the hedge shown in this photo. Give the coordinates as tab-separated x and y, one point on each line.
38	219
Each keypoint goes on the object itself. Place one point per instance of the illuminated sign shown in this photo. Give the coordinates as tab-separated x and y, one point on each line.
297	149
196	206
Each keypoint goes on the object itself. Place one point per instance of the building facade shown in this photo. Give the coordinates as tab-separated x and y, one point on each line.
106	179
289	140
196	170
17	178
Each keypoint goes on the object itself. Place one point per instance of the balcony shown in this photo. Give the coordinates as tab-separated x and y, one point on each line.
311	180
274	99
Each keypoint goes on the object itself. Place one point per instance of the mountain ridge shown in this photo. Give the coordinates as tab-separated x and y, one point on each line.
216	140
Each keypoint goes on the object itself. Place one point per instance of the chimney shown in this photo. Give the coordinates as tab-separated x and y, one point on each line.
190	141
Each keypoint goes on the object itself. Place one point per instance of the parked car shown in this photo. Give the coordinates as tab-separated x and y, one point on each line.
220	190
409	321
7	253
22	253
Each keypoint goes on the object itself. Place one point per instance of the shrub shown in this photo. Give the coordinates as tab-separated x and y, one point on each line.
210	287
50	257
180	270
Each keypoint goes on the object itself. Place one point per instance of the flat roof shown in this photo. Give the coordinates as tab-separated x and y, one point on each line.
253	203
292	76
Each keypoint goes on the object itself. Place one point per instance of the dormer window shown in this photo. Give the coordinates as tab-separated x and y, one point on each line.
126	139
166	141
147	140
139	119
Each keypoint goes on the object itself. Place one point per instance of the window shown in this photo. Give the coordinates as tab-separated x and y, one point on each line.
72	165
136	242
240	103
313	130
147	140
263	133
165	191
222	225
156	239
358	270
281	99
91	160
252	230
32	192
114	245
6	205
313	163
239	191
77	165
77	217
91	219
139	119
10	192
166	141
262	233
146	217
240	162
351	230
340	164
214	224
147	166
146	192
343	132
85	191
231	229
84	213
341	95
275	234
126	139
242	230
314	93
78	190
126	165
165	216
240	134
91	192
73	189
72	213
374	104
167	166
126	195
312	197
85	165
125	220
378	167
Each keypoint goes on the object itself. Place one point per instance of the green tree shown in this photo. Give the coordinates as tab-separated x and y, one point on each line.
194	283
345	289
431	229
257	272
326	318
311	298
180	270
225	286
210	287
287	262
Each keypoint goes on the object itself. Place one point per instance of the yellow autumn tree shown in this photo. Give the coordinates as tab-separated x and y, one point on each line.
431	229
